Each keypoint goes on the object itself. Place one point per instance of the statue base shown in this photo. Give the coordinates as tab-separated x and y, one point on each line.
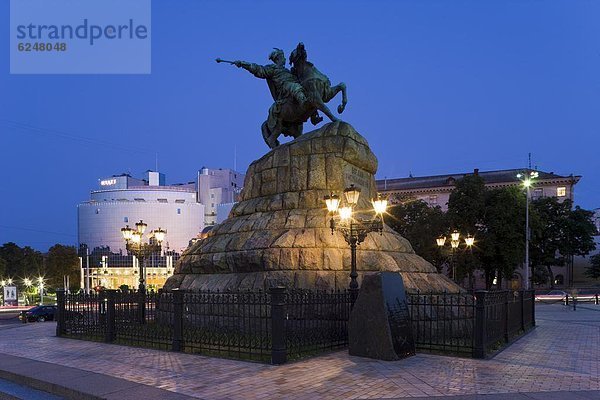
278	233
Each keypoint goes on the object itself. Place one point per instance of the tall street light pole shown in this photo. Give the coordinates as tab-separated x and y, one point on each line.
41	289
135	245
353	228
527	180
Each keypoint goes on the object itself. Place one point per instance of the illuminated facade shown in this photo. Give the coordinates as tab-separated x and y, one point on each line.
435	190
123	200
183	210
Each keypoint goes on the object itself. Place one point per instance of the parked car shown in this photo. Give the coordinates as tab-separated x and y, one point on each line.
553	295
39	314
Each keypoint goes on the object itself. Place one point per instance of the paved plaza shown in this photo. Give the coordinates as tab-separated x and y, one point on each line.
562	354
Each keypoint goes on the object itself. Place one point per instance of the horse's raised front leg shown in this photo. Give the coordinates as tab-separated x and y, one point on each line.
321	106
341	87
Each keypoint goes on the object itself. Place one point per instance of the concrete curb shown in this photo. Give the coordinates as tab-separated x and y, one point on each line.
77	384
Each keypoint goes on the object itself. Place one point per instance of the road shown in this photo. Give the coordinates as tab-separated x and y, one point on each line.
9	319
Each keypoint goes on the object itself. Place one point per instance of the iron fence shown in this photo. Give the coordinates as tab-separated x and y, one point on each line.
443	322
470	324
271	326
280	325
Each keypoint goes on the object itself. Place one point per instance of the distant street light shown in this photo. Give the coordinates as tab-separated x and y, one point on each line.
528	180
454	246
27	282
354	229
40	281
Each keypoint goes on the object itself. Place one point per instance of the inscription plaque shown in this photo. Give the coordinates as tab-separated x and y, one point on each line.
379	324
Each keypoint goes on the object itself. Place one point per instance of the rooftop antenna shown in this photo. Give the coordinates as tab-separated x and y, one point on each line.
235	157
529	160
156	162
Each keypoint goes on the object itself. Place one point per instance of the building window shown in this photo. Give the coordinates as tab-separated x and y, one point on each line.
433	199
212	205
212	195
561	191
179	211
139	199
179	201
162	200
537	193
125	219
97	211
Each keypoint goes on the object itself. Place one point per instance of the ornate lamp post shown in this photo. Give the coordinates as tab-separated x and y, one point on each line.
527	179
454	246
354	228
134	242
136	246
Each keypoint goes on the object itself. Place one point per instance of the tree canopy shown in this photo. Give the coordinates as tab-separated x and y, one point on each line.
496	217
420	224
24	262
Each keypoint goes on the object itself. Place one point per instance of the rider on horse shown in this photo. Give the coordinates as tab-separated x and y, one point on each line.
282	84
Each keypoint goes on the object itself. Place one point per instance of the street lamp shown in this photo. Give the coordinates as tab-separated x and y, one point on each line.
27	282
454	246
527	179
136	246
40	281
354	228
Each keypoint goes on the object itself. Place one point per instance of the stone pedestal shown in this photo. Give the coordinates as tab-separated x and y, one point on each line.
278	234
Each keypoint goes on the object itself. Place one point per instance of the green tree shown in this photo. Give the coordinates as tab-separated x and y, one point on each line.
502	236
420	224
593	270
21	261
559	233
2	267
466	205
579	235
466	213
62	261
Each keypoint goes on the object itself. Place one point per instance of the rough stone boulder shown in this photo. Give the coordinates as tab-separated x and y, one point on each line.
278	233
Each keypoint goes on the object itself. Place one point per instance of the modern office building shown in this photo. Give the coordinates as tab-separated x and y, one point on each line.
218	186
182	209
123	200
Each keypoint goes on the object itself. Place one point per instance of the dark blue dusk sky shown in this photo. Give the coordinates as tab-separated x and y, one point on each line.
434	86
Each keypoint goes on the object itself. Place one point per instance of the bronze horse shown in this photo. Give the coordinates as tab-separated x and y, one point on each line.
318	91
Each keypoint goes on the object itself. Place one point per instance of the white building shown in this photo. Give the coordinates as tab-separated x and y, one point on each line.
218	186
122	200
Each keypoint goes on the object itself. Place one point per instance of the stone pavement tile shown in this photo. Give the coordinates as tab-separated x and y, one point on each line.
564	395
561	354
75	383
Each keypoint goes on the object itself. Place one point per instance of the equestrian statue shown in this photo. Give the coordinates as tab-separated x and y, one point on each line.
298	93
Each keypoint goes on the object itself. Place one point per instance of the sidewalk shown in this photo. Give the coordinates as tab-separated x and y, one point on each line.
561	355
